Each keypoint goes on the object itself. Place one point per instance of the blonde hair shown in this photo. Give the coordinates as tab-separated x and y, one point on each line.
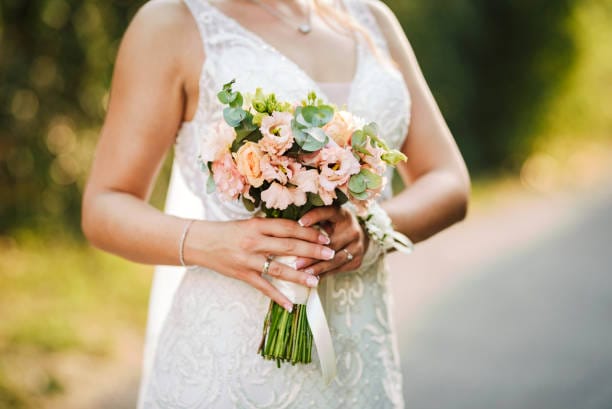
333	13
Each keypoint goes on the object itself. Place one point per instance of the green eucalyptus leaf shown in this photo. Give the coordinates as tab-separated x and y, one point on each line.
315	199
317	116
373	181
315	139
393	157
236	101
299	118
233	116
359	141
228	86
357	183
360	196
249	205
223	97
210	184
341	198
371	129
298	133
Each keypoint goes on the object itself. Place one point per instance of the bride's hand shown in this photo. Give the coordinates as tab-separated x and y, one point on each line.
239	249
347	239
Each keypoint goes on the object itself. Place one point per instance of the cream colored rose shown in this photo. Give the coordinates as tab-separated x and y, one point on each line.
248	160
341	127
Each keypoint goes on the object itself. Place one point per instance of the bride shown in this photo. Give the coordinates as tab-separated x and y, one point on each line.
203	336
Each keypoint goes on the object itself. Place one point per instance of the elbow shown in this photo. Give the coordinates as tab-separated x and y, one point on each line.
89	223
461	193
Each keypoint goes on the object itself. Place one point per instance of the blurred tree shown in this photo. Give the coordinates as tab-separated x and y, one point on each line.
493	66
56	61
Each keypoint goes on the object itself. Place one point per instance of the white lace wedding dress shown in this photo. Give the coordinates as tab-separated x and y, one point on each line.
206	353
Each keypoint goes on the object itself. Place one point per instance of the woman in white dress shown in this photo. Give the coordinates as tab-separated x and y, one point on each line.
174	57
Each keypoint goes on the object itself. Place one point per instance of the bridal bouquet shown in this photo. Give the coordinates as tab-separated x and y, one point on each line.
283	159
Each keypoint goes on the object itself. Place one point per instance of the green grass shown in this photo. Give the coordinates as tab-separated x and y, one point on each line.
59	297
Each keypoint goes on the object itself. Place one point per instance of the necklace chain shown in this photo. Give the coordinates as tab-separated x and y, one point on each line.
303	28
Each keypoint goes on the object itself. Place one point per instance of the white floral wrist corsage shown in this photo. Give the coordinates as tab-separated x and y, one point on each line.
383	237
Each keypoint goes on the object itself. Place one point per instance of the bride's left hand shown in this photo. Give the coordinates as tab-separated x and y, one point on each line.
347	238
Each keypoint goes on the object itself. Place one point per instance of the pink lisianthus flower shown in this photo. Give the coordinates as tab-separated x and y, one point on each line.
278	168
280	197
306	180
374	160
277	134
337	166
216	141
230	183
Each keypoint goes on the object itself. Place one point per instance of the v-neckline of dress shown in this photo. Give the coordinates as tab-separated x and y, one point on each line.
256	37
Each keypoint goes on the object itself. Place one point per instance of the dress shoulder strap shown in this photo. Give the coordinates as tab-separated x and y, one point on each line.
360	11
214	27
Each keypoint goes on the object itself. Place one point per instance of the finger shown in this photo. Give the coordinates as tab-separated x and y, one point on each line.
286	273
320	214
303	262
349	265
294	247
290	229
323	267
263	285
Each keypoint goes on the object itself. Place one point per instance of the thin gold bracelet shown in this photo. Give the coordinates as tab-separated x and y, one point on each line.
182	241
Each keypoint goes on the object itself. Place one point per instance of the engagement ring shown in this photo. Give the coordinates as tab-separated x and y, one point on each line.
349	255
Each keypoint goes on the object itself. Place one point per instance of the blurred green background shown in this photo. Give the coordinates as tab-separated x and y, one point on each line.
524	86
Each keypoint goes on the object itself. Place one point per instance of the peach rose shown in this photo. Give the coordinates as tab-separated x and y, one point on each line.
230	183
248	160
277	134
342	126
217	141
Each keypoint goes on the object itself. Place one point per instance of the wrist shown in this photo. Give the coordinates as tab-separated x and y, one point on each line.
194	244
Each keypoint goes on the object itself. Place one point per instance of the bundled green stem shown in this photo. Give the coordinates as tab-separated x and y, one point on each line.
286	335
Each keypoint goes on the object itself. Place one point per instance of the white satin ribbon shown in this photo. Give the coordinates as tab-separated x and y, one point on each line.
298	294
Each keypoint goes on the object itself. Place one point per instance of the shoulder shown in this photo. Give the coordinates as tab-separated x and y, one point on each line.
386	19
398	44
159	32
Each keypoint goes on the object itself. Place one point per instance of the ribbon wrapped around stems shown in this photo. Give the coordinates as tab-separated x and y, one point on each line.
299	294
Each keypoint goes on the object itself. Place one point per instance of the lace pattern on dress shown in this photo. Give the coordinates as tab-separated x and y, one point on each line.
206	356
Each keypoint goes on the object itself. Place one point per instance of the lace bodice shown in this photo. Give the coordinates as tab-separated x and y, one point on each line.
377	93
205	356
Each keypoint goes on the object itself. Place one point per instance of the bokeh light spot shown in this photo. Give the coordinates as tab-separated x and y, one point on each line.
56	13
24	105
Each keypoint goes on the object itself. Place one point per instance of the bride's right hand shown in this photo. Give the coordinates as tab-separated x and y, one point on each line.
239	249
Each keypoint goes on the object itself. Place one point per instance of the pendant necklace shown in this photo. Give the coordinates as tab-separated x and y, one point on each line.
303	28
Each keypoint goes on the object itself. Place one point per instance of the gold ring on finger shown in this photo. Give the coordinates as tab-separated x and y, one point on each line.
349	255
266	265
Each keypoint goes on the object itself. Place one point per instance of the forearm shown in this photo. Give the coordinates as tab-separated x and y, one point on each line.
433	202
127	226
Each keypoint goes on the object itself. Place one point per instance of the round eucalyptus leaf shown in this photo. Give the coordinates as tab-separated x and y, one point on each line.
357	183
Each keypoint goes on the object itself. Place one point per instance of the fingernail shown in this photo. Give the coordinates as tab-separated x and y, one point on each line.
328	253
312	281
301	223
288	307
309	271
323	239
300	263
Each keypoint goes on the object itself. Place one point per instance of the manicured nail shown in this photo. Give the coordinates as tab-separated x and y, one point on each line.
301	223
309	271
328	253
323	239
300	263
288	307
312	281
